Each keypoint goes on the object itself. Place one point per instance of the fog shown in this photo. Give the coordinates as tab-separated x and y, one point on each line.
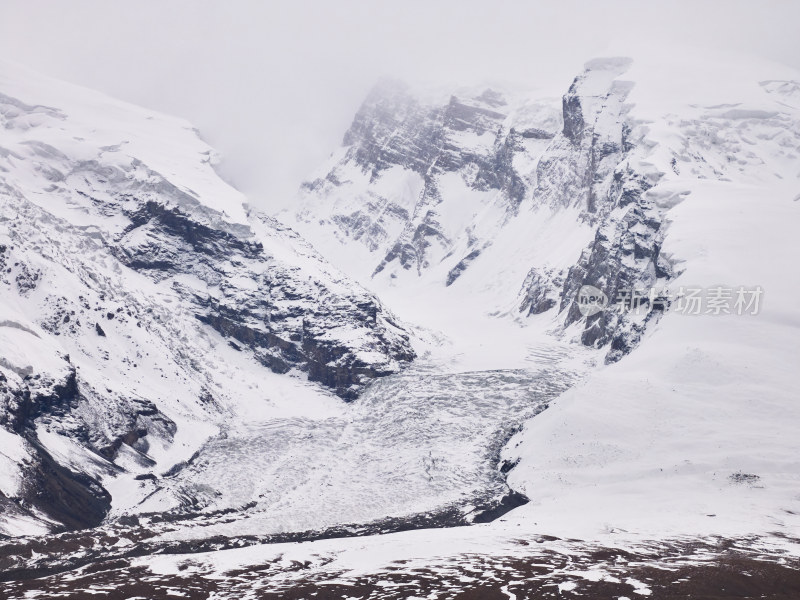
273	86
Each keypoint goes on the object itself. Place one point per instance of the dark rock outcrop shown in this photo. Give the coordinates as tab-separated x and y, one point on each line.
625	257
587	166
467	135
540	291
75	500
277	321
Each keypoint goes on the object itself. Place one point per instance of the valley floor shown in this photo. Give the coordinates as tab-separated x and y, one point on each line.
422	564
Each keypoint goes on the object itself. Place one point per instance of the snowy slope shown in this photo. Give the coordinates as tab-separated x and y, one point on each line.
143	305
421	174
661	178
667	442
695	431
152	325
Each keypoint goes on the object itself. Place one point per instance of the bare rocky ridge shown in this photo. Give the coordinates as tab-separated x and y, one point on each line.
589	165
468	135
583	159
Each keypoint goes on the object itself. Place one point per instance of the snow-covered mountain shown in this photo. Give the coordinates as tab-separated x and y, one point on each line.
434	190
522	199
142	302
182	375
654	175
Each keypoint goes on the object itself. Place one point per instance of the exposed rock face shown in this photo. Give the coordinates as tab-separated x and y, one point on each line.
375	147
539	291
582	156
576	168
625	256
607	165
408	164
588	166
72	499
286	319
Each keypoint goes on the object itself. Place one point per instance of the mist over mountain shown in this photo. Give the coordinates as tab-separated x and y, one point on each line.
274	85
496	315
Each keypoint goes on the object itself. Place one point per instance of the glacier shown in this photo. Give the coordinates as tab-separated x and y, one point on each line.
396	372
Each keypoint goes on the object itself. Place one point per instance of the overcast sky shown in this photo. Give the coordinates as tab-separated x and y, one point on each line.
273	86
